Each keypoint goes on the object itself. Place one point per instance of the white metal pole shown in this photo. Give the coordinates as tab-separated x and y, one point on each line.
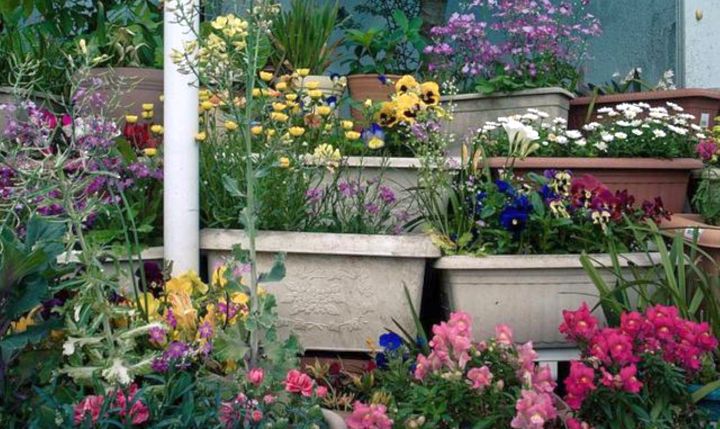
181	198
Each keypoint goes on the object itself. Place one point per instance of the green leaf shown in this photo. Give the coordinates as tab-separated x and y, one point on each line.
228	347
707	389
276	273
34	334
231	186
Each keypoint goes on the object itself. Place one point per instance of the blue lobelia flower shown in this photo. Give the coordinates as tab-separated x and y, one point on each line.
390	341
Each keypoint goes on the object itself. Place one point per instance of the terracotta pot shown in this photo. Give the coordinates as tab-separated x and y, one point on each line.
136	87
471	111
645	178
691	225
704	104
369	86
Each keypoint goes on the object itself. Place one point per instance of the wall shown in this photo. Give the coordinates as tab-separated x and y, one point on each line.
700	39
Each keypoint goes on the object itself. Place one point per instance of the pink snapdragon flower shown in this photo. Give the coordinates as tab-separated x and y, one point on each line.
578	325
578	384
534	410
372	416
503	335
480	377
256	376
92	405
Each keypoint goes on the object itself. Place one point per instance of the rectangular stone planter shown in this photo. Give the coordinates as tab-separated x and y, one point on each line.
471	111
704	104
527	292
340	289
645	178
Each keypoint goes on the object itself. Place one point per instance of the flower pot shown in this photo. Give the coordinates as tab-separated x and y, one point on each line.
470	111
339	289
708	237
710	403
334	419
704	104
327	86
133	87
526	292
369	86
645	178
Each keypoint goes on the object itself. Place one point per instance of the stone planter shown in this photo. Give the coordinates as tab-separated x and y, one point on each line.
327	86
645	178
340	289
133	87
527	292
691	225
471	111
704	104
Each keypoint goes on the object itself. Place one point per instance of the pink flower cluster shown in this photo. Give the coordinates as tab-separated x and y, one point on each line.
240	409
299	382
534	410
125	402
659	330
450	346
373	416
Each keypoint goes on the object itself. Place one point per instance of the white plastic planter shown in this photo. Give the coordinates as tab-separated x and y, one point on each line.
339	289
471	111
526	292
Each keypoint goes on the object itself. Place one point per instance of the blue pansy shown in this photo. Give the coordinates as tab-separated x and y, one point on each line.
390	341
513	219
547	193
504	187
331	101
381	361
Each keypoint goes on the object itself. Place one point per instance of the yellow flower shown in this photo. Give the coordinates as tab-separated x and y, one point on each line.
203	94
148	106
430	93
256	92
323	110
131	119
219	23
312	84
296	131
183	311
368	102
22	323
153	304
147	114
230	366
303	72
284	162
376	143
188	283
201	136
266	76
157	129
150	151
269	133
277	116
256	130
326	154
240	298
387	116
348	125
315	93
291	97
281	86
206	105
352	135
408	106
279	107
231	125
405	84
218	276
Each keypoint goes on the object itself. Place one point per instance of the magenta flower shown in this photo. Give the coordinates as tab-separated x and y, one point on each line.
256	376
480	377
578	325
533	410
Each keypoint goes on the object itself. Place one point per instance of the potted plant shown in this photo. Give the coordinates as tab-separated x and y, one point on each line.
301	41
506	238
648	151
703	104
528	57
127	41
377	59
346	267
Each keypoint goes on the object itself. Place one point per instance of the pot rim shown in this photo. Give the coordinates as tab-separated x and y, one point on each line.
531	262
149	253
688	223
415	246
552	90
648	96
602	163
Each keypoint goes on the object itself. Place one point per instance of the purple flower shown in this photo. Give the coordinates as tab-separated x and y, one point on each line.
157	335
176	350
706	149
170	318
387	195
205	330
348	190
372	208
159	364
314	195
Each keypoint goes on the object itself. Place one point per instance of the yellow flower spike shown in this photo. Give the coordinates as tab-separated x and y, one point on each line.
281	86
266	76
183	310
291	97
153	304
131	119
207	105
157	129
218	276
352	135
279	107
150	151
323	110
201	136
315	93
256	130
312	84
256	92
278	116
147	114
284	162
231	125
296	131
347	125
148	106
303	72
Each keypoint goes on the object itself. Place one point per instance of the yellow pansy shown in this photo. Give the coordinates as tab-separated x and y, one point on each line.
157	129
323	110
430	93
256	130
348	125
278	116
150	151
284	162
183	310
408	106
312	84
279	107
188	282
296	131
201	136
315	93
387	116
405	84
131	119
266	76
231	125
352	135
148	107
303	72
